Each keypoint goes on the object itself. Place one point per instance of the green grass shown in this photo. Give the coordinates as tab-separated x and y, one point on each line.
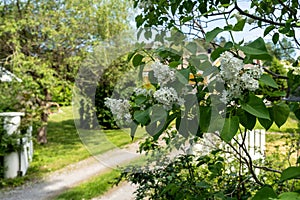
93	188
65	145
99	184
102	183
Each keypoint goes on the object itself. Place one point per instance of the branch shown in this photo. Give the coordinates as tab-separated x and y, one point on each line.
19	8
288	8
274	74
259	18
250	166
296	40
267	169
200	27
221	13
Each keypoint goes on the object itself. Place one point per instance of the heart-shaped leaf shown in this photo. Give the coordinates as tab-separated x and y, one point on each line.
230	128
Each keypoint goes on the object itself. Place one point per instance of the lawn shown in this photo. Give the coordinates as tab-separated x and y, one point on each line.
68	145
94	187
98	185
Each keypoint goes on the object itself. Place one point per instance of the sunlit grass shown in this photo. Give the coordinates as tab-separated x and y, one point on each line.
65	146
93	188
97	185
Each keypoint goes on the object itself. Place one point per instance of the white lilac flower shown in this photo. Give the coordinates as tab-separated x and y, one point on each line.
256	71
120	109
230	66
252	85
167	96
141	91
248	79
224	97
163	73
145	4
237	77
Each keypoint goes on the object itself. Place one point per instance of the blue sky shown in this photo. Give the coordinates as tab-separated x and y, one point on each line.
248	34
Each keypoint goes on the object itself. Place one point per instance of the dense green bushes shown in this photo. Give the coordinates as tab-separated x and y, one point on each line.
105	88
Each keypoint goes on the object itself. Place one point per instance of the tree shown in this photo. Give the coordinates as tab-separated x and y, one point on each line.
43	42
283	50
238	87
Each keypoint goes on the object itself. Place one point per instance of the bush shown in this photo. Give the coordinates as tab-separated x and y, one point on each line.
105	88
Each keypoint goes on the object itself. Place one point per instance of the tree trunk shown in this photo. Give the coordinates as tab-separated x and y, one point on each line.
42	131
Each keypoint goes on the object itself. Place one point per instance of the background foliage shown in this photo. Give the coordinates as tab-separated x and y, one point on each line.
44	42
190	20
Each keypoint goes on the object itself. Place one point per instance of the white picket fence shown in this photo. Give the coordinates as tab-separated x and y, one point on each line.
254	142
17	163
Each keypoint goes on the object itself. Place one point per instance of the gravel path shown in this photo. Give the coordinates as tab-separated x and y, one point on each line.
73	174
124	191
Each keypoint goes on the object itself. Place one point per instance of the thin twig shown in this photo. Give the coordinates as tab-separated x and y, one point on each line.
259	18
267	169
250	166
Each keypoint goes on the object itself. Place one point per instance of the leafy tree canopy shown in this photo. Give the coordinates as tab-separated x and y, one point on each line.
43	42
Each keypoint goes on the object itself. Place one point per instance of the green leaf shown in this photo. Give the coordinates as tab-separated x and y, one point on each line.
275	38
158	113
148	34
137	59
256	47
140	99
265	123
256	50
289	196
239	26
228	45
256	107
290	173
174	64
207	68
192	47
216	53
265	193
182	126
202	56
158	117
298	160
246	119
297	113
142	116
277	94
268	80
174	7
230	128
183	75
186	19
211	35
205	117
133	127
139	20
284	29
252	50
268	30
281	113
189	126
194	61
